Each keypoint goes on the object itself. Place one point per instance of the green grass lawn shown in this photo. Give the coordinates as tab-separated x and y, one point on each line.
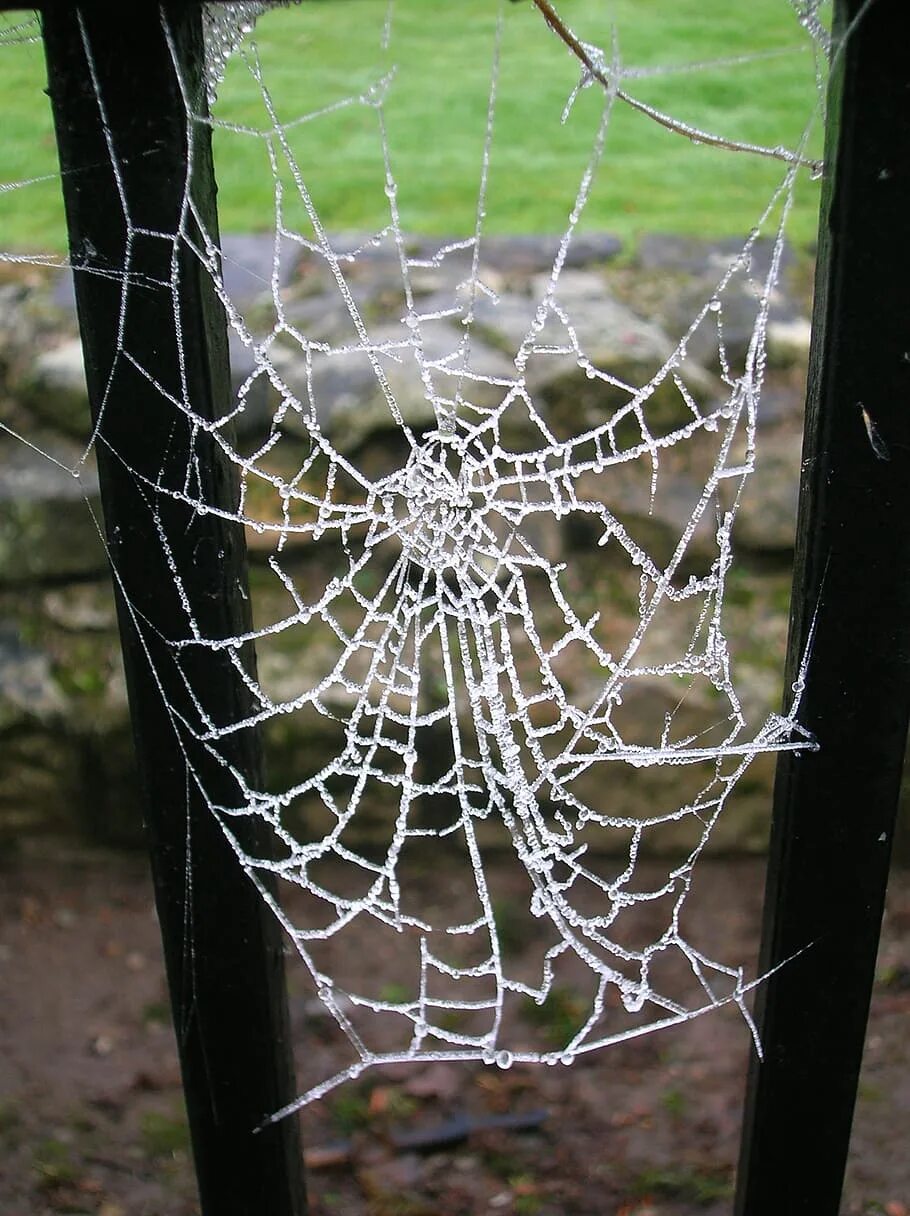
325	51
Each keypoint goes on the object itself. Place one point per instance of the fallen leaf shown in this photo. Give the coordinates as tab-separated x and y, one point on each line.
30	910
327	1156
435	1081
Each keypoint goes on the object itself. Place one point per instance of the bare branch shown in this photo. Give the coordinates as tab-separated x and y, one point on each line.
695	134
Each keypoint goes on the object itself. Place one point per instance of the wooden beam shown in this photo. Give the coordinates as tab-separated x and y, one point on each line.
835	809
155	342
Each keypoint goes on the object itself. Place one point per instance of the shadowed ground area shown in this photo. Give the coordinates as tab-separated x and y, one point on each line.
90	1102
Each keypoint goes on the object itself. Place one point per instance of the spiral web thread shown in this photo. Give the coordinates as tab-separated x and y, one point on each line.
444	624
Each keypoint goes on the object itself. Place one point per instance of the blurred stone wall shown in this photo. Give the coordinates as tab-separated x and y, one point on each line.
65	748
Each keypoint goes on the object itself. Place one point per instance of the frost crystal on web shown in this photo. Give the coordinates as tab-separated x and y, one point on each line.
469	696
226	25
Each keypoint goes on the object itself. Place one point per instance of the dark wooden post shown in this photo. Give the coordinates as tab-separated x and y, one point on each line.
155	346
834	810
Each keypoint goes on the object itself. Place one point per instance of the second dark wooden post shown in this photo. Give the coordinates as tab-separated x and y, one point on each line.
834	809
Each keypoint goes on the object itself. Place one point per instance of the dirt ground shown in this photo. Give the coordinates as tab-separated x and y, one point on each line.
91	1114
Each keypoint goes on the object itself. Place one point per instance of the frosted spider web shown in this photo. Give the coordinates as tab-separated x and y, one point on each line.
478	703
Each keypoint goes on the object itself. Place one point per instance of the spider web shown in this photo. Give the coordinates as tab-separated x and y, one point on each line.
480	704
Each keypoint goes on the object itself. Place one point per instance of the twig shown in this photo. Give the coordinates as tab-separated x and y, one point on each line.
426	1139
695	134
460	1126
